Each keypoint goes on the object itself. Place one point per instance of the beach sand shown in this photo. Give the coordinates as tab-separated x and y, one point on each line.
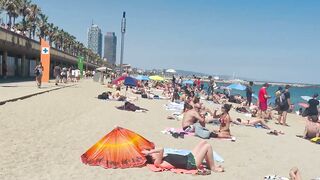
43	137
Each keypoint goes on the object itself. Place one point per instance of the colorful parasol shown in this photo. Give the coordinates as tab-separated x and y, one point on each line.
119	79
121	148
156	78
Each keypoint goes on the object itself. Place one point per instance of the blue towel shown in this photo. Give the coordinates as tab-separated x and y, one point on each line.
259	126
184	152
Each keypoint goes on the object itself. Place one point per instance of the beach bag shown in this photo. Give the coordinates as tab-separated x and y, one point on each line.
305	113
144	95
103	96
201	131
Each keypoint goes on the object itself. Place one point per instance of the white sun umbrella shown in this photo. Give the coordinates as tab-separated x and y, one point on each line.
306	98
102	69
171	71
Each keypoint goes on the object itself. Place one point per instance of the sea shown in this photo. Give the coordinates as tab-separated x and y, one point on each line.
295	92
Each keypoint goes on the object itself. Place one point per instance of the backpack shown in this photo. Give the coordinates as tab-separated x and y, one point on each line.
282	99
37	72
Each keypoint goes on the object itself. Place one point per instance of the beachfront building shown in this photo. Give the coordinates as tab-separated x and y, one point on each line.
110	47
20	54
95	39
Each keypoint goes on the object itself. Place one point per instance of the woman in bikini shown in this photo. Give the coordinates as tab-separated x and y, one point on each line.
194	160
225	120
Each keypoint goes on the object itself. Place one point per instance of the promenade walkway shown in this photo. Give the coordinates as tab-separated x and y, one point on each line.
14	91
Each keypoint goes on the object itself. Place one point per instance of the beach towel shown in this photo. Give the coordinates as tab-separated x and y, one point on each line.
172	106
153	168
185	152
275	177
177	130
315	140
233	138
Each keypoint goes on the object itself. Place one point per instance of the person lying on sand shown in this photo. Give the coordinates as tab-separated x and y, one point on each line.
225	120
252	122
294	174
131	107
190	117
312	128
192	161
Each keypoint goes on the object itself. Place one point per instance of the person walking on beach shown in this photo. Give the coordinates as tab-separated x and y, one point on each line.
210	86
173	81
38	72
64	74
277	100
249	94
263	100
56	73
284	105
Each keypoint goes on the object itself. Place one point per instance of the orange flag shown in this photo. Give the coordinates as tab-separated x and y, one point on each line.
45	60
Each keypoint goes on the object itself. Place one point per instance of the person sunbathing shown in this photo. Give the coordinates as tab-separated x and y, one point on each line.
190	117
225	120
312	128
117	95
131	107
252	122
192	161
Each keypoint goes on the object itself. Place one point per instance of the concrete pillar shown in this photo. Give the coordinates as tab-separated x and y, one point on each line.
16	67
4	64
24	66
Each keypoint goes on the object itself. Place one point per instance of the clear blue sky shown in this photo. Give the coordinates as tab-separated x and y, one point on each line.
264	40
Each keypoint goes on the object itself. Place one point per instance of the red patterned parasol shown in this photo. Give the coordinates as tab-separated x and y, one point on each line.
121	148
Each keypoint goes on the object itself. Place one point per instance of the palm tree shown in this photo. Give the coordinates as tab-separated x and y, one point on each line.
42	25
24	9
33	18
11	7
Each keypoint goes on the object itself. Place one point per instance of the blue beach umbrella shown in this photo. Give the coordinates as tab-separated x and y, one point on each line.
190	82
142	78
130	81
237	87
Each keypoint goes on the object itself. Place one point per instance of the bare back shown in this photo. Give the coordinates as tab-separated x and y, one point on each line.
189	118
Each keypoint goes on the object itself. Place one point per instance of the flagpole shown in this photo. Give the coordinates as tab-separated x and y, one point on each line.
123	30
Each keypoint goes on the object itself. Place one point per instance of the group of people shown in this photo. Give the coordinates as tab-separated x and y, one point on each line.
60	74
64	74
196	115
13	28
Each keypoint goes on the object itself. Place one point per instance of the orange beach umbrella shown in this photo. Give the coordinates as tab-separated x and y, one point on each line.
121	148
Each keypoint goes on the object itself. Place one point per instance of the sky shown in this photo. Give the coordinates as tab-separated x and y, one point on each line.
263	40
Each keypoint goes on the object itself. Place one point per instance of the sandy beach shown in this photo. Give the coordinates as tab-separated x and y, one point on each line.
43	137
